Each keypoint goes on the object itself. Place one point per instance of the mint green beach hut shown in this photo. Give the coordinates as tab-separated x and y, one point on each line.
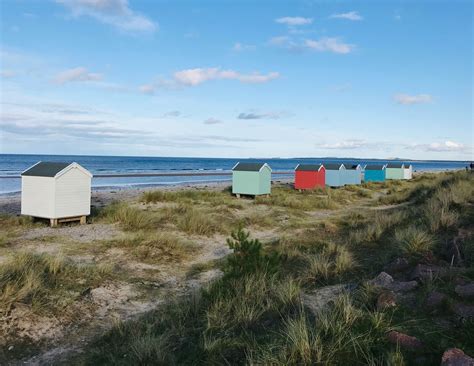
394	171
251	179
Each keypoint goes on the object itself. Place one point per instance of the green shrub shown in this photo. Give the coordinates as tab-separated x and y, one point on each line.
248	256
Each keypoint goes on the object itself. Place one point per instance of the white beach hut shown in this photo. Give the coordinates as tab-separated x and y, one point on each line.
56	191
407	171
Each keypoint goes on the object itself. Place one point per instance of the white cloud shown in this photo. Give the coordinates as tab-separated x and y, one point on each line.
171	114
212	121
240	47
413	99
352	15
279	40
7	74
147	89
116	13
328	44
445	146
294	21
193	77
265	115
346	145
77	74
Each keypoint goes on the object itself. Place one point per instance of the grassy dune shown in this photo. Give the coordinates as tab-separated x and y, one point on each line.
257	312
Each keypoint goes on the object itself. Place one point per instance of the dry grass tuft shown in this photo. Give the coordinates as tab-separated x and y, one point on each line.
45	282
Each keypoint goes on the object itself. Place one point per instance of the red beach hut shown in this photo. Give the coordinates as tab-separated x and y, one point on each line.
309	176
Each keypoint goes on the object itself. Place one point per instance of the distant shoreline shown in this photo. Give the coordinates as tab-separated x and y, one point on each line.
247	158
170	185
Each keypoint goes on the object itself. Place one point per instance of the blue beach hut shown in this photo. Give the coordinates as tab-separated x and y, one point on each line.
352	174
374	173
335	174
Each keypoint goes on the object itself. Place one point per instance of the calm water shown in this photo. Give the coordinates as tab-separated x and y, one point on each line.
12	165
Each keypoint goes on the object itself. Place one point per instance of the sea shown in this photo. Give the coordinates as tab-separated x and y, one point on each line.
11	166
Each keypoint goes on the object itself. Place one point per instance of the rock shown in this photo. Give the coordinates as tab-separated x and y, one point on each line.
321	297
465	291
425	272
435	299
404	340
463	311
456	357
397	265
386	299
403	286
384	280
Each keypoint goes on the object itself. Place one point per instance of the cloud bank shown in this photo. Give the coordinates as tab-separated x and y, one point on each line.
413	99
352	15
116	13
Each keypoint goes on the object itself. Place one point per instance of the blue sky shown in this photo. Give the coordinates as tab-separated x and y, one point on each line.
237	78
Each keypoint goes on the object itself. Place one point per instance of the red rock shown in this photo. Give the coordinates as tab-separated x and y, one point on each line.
386	300
404	340
456	357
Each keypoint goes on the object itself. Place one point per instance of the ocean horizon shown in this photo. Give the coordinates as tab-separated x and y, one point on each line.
13	164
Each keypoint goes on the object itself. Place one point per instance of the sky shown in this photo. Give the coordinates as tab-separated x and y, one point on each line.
380	79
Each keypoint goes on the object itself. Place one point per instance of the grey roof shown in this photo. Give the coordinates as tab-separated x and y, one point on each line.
308	167
332	166
248	167
374	167
353	167
395	165
45	169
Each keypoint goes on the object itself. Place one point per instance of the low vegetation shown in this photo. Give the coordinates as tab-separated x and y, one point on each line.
47	283
257	311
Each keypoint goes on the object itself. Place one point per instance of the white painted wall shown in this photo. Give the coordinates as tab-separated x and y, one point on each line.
408	173
66	195
72	194
37	196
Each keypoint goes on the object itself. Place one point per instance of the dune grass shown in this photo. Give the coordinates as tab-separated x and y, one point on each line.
329	265
155	247
47	283
194	196
249	316
130	218
415	242
255	314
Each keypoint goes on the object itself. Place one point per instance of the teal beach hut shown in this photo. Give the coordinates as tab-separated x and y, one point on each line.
394	171
251	179
374	173
335	174
353	174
